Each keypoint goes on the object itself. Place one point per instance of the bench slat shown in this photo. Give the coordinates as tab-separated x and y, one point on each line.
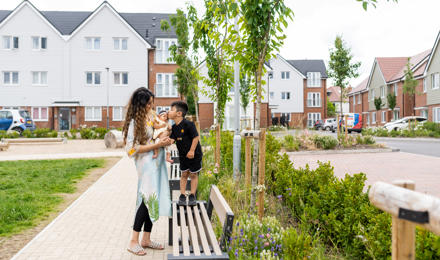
175	232
184	233
209	230
220	204
201	232
193	232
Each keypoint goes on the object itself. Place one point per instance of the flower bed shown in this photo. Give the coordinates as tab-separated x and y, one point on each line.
428	129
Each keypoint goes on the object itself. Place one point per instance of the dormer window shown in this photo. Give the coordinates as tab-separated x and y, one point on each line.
313	79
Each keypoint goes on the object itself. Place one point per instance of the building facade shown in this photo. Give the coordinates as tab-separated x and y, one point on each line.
71	69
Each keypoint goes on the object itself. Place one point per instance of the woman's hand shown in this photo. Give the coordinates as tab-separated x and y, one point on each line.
165	141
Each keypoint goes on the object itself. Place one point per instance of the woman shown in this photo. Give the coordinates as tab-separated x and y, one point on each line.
153	198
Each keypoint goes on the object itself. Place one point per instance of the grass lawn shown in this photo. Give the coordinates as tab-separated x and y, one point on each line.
29	190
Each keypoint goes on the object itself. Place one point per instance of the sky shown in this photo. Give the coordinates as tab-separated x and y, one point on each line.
390	30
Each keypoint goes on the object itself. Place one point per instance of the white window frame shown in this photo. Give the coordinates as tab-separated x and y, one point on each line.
373	118
372	95
396	112
424	113
368	119
162	53
435	81
360	99
11	78
424	85
271	94
436	114
382	92
162	86
384	115
396	89
93	78
118	113
96	115
39	43
121	82
160	108
312	118
11	42
285	75
285	95
313	79
92	46
117	43
39	118
40	78
314	99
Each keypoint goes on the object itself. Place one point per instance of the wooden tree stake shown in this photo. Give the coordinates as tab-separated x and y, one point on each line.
248	165
261	171
217	145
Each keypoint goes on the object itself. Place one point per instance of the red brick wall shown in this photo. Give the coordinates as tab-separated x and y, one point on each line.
206	115
323	108
365	104
350	103
420	100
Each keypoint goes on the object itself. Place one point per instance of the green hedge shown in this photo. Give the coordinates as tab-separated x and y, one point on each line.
427	129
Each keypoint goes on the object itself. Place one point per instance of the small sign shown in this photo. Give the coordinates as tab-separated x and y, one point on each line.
421	217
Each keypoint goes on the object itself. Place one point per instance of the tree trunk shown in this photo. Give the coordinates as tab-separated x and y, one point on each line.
196	104
340	105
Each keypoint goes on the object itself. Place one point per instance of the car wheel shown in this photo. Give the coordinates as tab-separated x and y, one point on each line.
18	129
327	128
395	129
349	131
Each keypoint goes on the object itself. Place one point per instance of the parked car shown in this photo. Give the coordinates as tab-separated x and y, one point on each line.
354	123
329	124
318	124
402	123
17	120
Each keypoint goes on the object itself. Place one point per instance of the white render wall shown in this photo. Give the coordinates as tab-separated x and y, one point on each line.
294	85
66	61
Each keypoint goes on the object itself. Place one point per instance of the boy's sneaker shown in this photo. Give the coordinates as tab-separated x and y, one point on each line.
192	200
182	200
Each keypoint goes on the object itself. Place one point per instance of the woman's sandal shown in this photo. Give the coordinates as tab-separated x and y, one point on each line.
137	250
154	245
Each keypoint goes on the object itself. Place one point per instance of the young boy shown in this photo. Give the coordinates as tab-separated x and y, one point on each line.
185	134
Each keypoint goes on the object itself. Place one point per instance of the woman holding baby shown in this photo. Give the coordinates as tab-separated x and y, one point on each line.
153	198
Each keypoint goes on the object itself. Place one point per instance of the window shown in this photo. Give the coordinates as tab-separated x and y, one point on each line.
93	114
372	94
359	98
39	78
40	113
382	92
10	42
285	75
373	120
312	118
162	50
314	99
436	114
435	81
395	89
368	119
6	114
271	95
285	95
120	44
396	114
424	85
313	79
286	116
39	43
93	78
118	113
10	77
424	113
93	43
384	114
120	78
158	109
166	85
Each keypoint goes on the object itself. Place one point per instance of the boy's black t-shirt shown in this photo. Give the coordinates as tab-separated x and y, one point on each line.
183	134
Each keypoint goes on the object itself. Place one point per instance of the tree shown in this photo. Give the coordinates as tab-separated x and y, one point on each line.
391	101
331	109
341	67
245	86
410	85
261	34
186	73
378	103
365	3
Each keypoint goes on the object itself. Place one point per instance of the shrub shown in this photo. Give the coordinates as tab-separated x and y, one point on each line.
100	132
325	142
87	133
432	127
27	133
275	128
297	245
382	132
291	143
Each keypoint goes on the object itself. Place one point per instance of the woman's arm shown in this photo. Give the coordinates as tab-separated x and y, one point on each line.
165	141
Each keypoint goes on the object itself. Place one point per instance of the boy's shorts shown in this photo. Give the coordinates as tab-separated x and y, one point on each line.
191	165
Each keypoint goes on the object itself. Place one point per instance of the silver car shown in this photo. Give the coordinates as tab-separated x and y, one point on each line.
329	124
401	124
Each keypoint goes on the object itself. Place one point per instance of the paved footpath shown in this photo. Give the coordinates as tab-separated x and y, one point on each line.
387	167
98	224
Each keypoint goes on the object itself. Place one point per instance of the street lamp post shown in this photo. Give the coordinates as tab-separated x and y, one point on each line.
237	137
108	95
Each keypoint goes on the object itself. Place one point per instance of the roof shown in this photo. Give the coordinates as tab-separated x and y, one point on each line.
305	66
418	63
67	21
359	88
390	66
335	94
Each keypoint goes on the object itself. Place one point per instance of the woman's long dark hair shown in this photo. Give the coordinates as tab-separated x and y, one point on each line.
137	110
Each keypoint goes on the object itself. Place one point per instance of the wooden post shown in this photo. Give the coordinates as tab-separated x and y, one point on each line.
217	145
403	231
197	123
248	165
345	122
337	123
261	171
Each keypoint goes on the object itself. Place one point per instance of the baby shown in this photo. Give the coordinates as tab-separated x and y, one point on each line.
161	129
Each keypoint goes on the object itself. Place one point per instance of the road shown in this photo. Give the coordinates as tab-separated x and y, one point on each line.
423	146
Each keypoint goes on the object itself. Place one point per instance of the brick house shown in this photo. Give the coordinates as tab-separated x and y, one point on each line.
431	84
334	96
66	68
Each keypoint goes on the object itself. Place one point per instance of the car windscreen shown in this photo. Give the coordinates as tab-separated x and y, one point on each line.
24	113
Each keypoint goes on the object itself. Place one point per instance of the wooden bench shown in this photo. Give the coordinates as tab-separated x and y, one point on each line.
4	146
191	230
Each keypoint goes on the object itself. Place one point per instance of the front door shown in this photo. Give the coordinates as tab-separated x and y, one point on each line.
64	119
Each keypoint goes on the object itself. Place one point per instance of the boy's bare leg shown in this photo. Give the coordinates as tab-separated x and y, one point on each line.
183	181
156	153
194	181
168	159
